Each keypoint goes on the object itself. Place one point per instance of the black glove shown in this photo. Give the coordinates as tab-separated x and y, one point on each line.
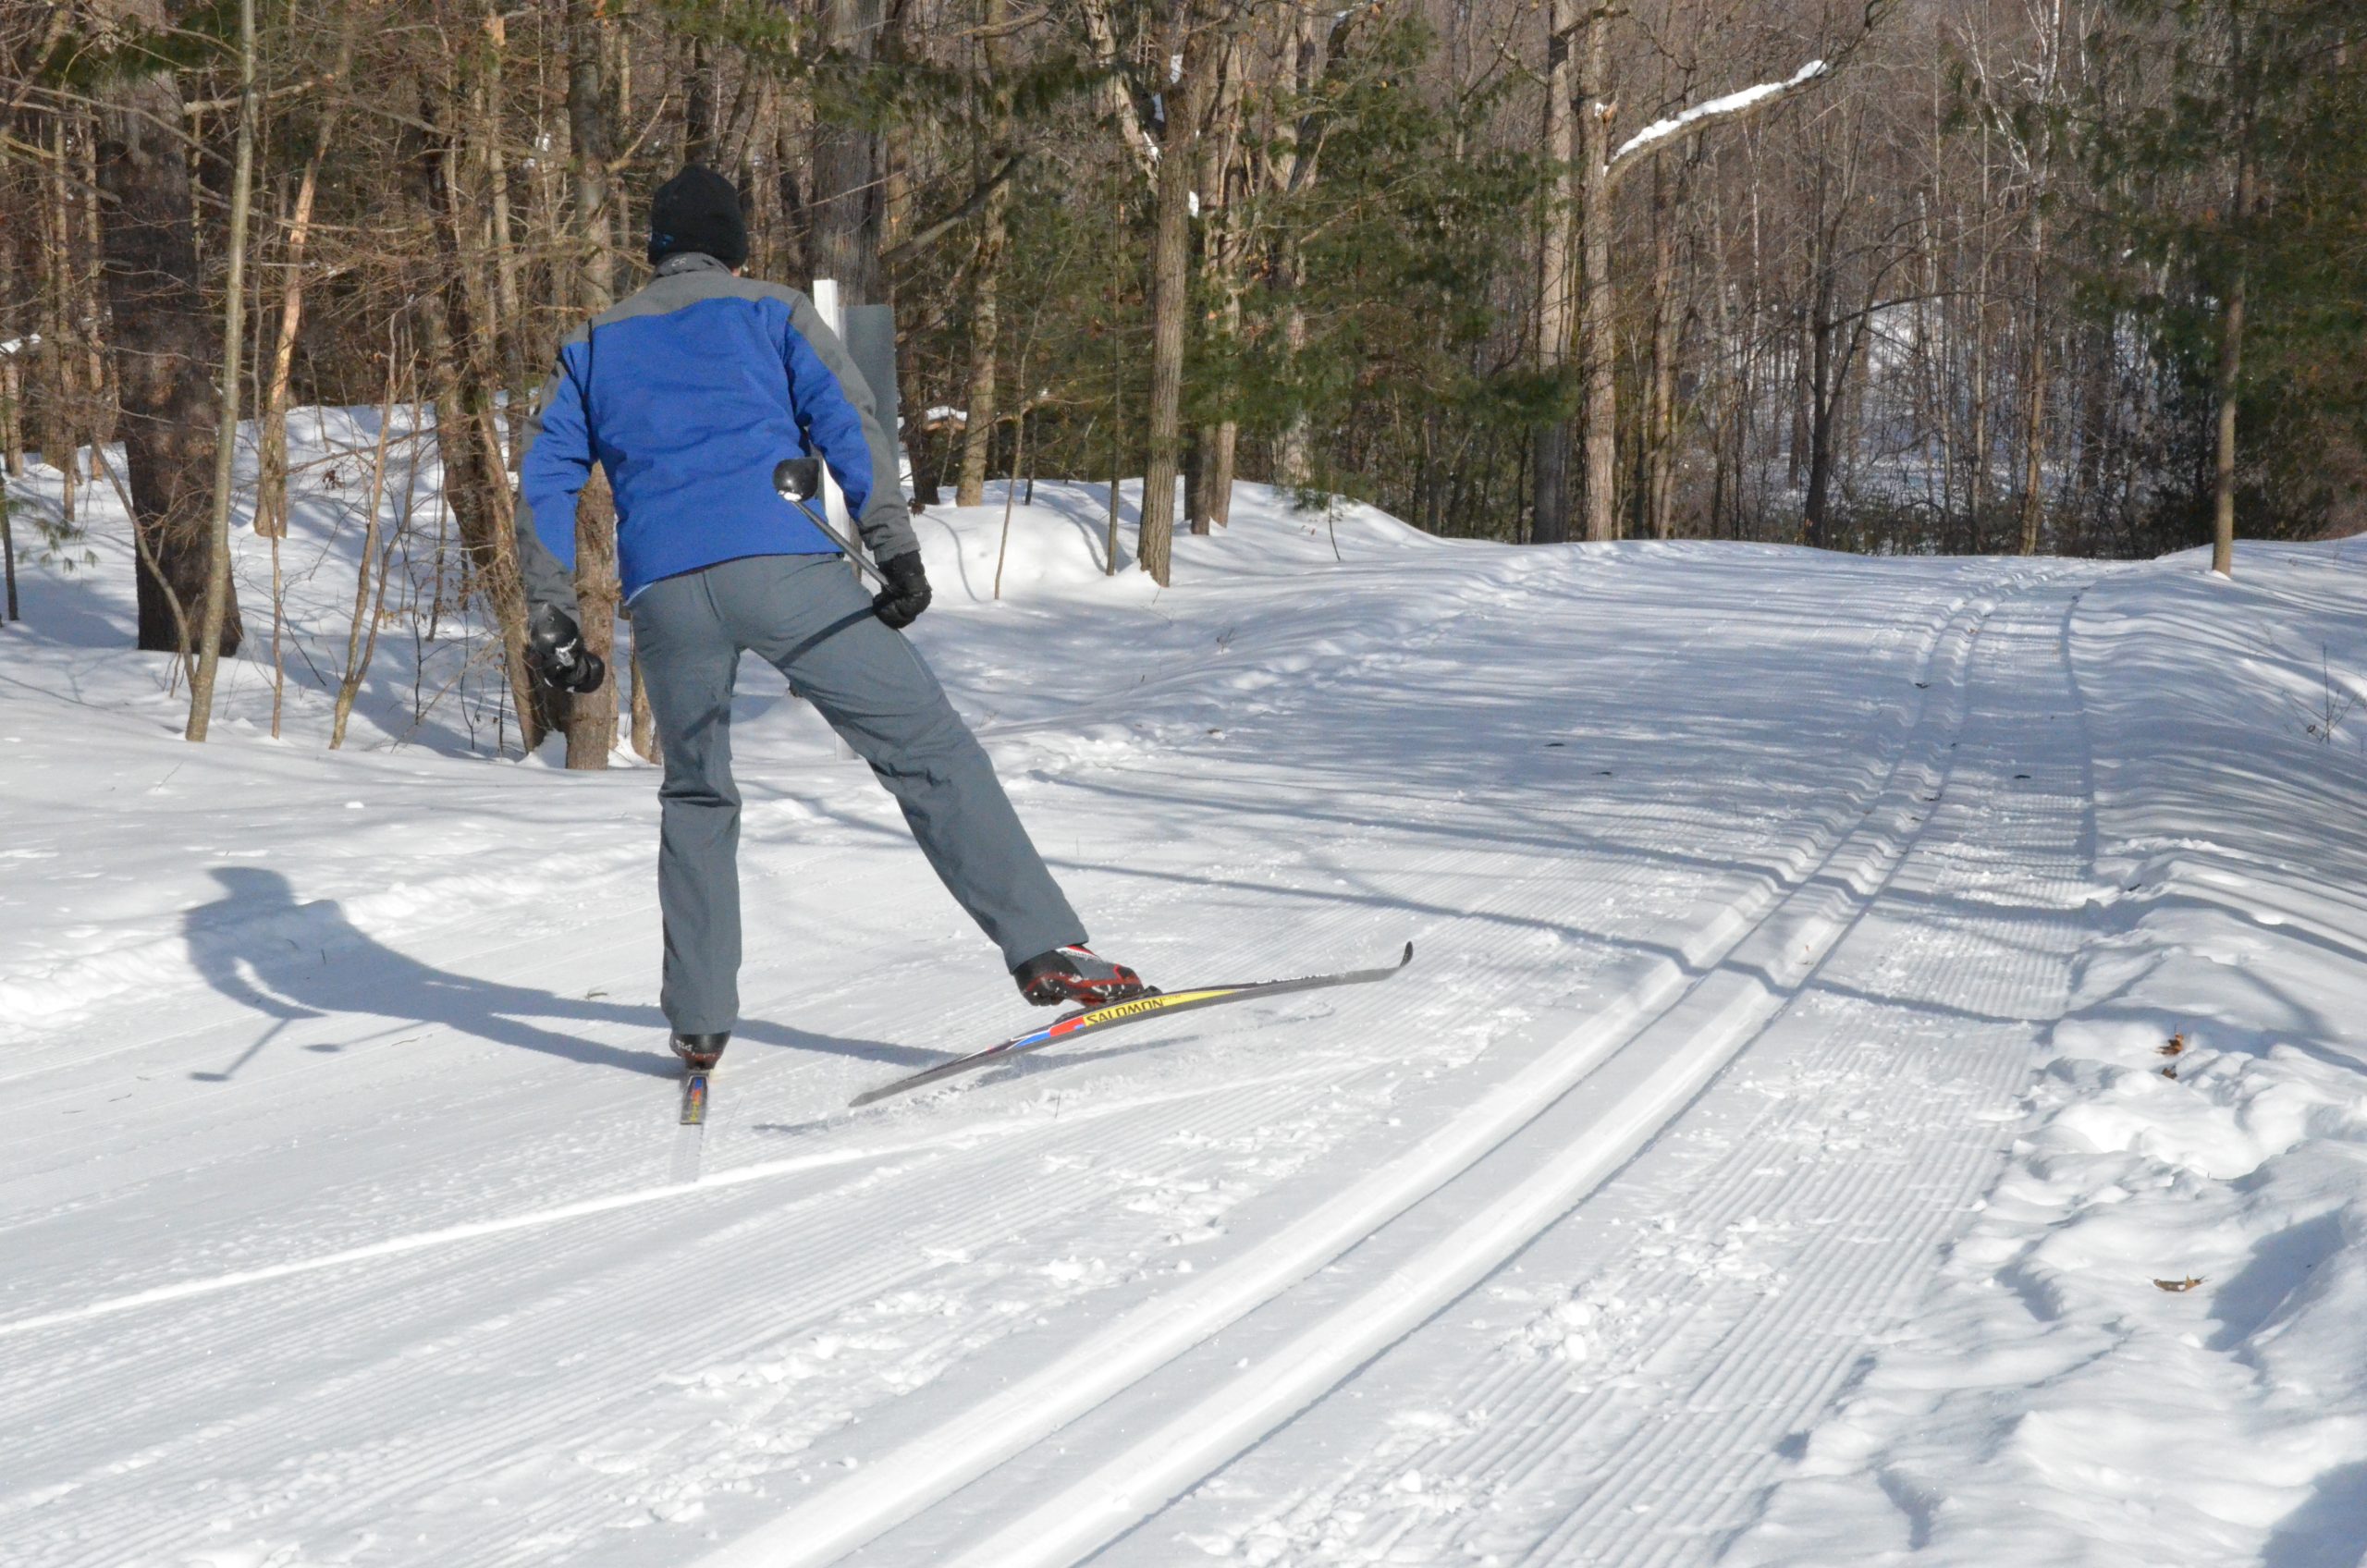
554	652
901	603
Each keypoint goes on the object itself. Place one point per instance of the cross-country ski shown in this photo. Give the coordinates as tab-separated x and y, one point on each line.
1155	1004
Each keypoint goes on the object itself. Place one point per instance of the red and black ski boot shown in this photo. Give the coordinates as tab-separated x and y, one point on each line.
1076	975
701	1052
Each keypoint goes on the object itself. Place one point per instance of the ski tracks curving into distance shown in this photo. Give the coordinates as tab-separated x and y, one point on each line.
1642	1057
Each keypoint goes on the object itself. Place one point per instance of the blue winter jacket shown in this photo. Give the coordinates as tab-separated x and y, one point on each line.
689	393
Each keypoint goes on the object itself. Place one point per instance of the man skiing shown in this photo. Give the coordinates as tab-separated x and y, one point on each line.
689	393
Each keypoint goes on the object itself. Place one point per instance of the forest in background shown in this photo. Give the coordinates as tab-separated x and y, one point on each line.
1903	276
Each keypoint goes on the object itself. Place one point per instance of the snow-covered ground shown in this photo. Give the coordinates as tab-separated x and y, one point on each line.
1768	1157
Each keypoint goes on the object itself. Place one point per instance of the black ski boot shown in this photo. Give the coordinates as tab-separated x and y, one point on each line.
701	1052
1076	974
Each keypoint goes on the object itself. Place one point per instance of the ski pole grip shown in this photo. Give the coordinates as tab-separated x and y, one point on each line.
798	478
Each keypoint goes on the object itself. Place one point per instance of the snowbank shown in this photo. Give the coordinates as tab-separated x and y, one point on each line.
2146	1349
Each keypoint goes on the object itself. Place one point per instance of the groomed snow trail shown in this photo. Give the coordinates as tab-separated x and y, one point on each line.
1624	1395
1641	1054
1742	881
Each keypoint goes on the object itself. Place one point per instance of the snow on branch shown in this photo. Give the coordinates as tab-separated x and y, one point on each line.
1659	131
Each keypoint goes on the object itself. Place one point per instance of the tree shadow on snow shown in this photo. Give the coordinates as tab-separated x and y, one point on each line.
2325	1532
293	960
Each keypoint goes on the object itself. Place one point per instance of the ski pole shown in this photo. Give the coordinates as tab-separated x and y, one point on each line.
797	479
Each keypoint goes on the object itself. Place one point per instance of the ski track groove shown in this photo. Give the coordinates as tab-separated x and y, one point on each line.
1689	1460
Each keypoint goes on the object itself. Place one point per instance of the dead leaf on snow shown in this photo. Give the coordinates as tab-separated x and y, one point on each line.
2170	1072
2173	1046
2186	1284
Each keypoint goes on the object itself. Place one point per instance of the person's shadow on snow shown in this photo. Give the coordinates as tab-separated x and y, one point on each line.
291	961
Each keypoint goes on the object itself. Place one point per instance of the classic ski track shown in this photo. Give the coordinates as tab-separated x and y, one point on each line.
765	1078
1783	866
1695	1468
991	1176
453	1286
826	1279
1115	1496
1660	1482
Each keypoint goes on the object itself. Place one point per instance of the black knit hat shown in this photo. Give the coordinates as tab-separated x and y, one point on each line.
697	209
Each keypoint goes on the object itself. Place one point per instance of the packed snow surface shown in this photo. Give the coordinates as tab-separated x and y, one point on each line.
1880	1080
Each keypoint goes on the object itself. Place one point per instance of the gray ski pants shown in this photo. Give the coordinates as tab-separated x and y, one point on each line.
807	616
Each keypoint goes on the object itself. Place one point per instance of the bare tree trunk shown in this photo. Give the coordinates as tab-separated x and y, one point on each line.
1599	411
846	171
2034	375
1294	446
1977	480
1557	252
2231	367
348	686
508	318
1209	495
2036	370
12	403
12	357
895	224
64	406
590	719
985	273
226	441
1295	165
163	350
271	471
591	149
476	488
1660	391
1170	284
985	278
699	104
90	294
8	556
